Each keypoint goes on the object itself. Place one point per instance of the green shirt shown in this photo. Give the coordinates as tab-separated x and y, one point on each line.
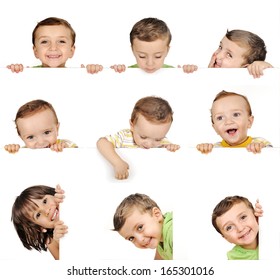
239	253
165	248
163	66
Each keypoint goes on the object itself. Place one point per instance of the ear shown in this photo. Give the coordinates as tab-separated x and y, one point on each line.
73	48
156	213
168	48
35	52
57	126
131	125
213	125
250	121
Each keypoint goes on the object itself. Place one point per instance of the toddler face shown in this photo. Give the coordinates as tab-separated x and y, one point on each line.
53	45
229	55
46	214
39	130
147	134
150	55
143	229
239	226
231	119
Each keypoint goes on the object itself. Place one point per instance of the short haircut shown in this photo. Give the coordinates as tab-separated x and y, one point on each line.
32	107
54	21
224	94
153	109
138	201
149	30
256	46
225	205
30	233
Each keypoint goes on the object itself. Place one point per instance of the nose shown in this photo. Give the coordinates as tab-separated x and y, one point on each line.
239	227
219	54
150	61
228	120
138	240
149	144
46	210
52	46
41	143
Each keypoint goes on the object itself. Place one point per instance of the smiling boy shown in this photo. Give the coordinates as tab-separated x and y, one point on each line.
238	49
231	117
37	125
139	220
234	219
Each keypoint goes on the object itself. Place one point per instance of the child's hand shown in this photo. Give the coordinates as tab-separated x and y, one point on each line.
12	148
212	61
121	170
256	68
205	148
58	147
93	68
171	147
15	68
258	209
59	230
189	68
119	68
255	147
59	194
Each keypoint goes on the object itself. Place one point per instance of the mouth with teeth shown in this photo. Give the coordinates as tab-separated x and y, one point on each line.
53	56
244	236
55	215
231	132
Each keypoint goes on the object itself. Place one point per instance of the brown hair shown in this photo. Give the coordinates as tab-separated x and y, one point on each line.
33	107
225	205
224	93
30	233
139	201
149	30
54	21
153	109
256	46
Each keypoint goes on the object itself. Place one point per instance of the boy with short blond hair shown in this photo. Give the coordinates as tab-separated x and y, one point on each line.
139	220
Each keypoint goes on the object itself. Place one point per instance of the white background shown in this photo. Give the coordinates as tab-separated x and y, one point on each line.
86	108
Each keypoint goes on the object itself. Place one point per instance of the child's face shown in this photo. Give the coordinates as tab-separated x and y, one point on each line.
147	134
47	212
143	229
239	226
39	130
231	119
53	45
230	55
150	55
